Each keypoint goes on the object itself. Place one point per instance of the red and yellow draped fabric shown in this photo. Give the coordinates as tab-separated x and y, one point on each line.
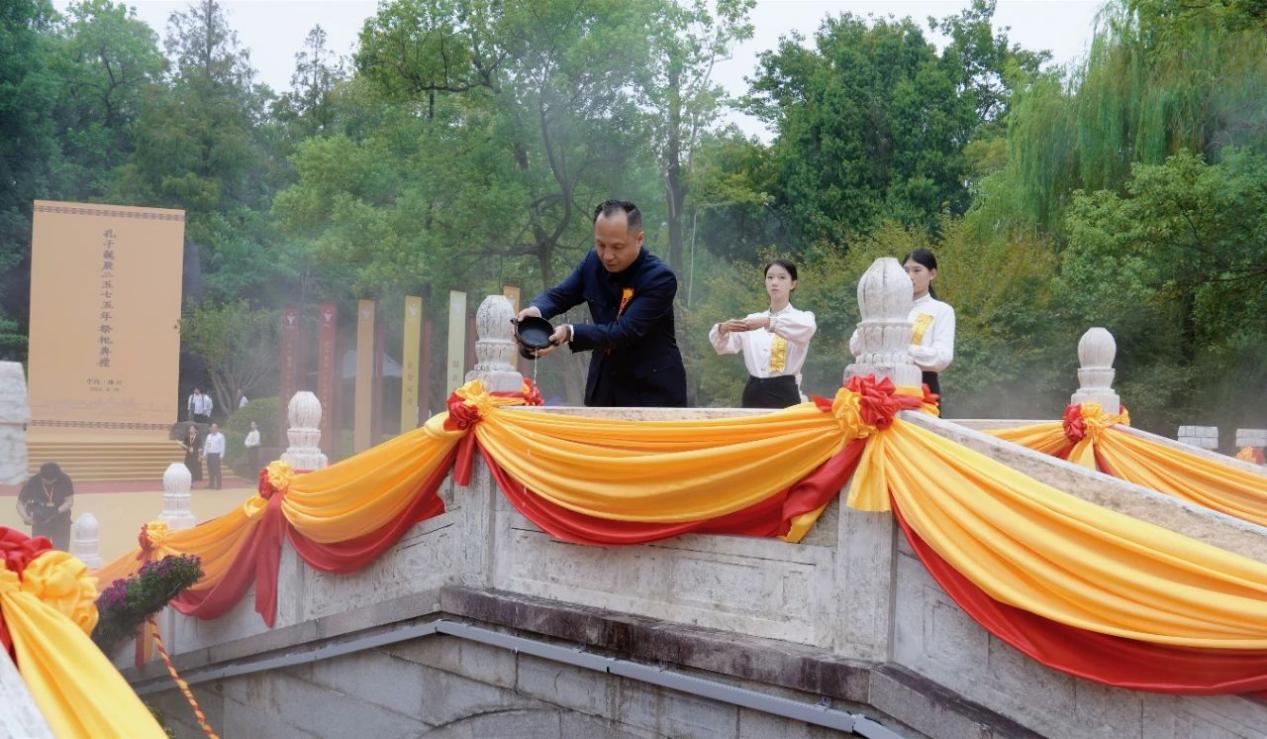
1088	437
594	481
47	611
1081	588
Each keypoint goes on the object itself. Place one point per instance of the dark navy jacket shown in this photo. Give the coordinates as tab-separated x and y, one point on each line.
636	361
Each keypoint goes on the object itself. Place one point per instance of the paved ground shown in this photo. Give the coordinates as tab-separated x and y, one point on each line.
121	508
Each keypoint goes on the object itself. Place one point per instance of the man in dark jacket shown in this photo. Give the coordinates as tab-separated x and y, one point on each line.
630	294
45	503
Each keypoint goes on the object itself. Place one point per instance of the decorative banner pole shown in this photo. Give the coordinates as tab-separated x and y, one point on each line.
364	375
512	294
409	364
456	360
328	322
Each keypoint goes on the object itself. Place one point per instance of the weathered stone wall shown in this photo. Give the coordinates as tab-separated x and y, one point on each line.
850	591
445	687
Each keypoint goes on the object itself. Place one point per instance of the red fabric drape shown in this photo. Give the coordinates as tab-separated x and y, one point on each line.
770	517
352	555
256	563
17	550
1112	660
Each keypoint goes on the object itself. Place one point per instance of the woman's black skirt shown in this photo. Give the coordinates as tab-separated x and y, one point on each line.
930	379
771	392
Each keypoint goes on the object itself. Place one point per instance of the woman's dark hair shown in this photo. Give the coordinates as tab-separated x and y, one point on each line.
785	264
923	257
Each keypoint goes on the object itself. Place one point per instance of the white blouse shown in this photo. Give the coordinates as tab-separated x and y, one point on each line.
933	336
770	352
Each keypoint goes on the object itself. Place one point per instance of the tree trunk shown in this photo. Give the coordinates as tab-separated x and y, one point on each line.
674	187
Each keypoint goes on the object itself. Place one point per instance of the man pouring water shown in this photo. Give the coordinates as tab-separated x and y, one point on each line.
630	293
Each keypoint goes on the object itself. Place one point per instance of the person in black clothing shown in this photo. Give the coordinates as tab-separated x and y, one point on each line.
192	444
630	293
45	503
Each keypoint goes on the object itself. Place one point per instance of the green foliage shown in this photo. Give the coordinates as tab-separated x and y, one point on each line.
873	121
237	345
267	413
465	143
125	605
1175	269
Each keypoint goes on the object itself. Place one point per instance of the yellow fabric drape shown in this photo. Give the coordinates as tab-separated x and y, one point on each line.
1047	437
660	471
76	688
1221	487
216	542
365	492
1047	552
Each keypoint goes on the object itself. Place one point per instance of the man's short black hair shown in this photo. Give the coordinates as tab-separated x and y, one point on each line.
633	216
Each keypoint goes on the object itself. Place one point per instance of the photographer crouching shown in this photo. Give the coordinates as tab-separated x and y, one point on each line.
45	502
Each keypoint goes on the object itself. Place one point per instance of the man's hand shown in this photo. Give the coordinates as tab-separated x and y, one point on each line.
561	336
531	311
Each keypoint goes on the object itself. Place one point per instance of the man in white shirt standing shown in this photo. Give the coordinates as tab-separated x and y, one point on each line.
252	444
200	406
213	452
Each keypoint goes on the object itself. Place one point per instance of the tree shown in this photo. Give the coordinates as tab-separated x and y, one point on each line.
872	122
237	344
197	144
536	94
681	98
309	106
1175	267
107	60
29	149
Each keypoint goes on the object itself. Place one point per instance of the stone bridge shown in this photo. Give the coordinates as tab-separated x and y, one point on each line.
478	624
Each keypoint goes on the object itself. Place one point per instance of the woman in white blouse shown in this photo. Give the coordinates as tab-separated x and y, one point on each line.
932	321
774	342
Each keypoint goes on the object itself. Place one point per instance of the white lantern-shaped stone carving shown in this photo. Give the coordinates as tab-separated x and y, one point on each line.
304	453
15	414
176	484
1096	351
85	540
495	348
885	295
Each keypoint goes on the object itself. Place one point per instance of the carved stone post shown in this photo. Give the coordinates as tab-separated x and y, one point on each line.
15	414
176	483
495	348
1096	350
304	453
1252	438
1202	437
85	540
885	295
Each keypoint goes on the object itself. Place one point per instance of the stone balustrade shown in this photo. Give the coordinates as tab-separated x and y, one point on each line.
177	481
15	414
1201	437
